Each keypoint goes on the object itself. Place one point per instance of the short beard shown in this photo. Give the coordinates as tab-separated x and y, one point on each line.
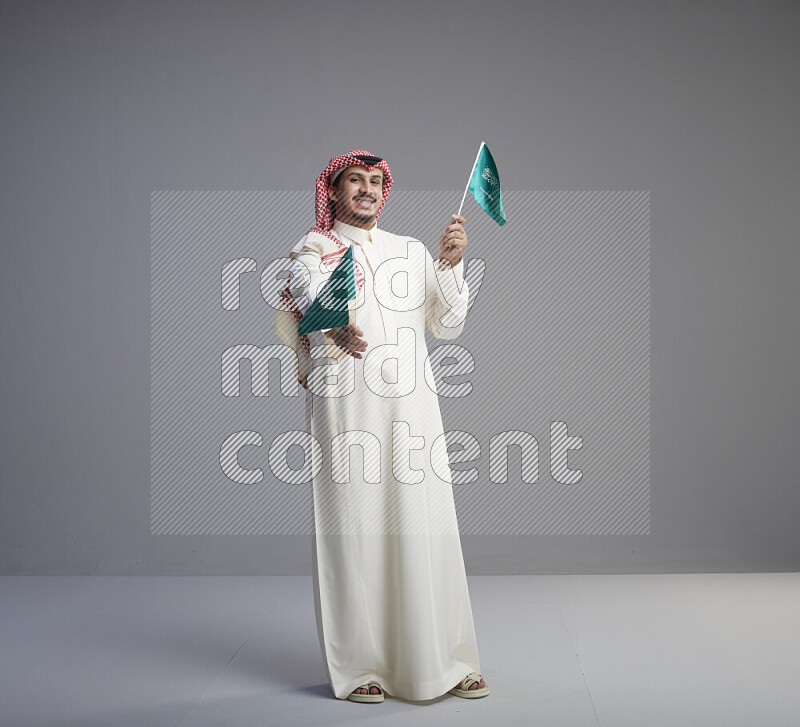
353	217
362	218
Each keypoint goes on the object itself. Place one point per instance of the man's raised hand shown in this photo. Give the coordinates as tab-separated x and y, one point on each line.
453	240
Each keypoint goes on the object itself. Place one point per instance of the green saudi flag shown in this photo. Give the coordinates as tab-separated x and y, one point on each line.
485	185
329	309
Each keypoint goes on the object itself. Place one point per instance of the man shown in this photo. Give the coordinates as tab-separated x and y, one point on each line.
390	590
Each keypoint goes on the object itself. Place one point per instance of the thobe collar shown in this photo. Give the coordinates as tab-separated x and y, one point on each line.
356	234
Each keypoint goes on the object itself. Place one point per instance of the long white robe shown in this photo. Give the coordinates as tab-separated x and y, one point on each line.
390	588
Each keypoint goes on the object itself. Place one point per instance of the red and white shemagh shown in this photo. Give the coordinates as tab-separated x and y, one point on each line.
323	207
324	218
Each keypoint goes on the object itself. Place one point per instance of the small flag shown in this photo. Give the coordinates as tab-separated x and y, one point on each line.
330	309
485	185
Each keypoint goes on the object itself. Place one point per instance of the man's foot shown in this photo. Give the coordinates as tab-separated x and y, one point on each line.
372	690
369	692
471	686
474	685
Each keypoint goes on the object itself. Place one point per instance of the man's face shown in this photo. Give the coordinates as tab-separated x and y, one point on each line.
358	193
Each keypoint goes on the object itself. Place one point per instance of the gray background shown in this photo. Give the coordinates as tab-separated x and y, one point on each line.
105	102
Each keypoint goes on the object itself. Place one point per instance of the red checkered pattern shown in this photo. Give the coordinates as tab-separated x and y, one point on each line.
323	207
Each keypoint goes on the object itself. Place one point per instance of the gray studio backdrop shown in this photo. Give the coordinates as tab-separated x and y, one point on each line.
643	292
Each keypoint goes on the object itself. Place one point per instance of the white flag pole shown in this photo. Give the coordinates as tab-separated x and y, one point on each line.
471	171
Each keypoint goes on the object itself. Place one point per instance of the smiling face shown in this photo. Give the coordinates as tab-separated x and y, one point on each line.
357	194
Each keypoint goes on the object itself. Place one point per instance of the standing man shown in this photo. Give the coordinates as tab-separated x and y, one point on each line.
390	589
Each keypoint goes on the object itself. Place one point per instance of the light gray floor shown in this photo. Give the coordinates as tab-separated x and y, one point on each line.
590	650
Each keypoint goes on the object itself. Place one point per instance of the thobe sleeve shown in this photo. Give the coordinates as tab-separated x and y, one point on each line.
446	298
308	264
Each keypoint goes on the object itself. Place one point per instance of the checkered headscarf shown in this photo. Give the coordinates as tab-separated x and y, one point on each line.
337	163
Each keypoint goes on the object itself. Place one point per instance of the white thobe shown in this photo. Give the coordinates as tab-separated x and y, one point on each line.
390	588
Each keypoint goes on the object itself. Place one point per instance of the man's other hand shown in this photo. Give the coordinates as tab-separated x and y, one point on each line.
453	240
350	339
